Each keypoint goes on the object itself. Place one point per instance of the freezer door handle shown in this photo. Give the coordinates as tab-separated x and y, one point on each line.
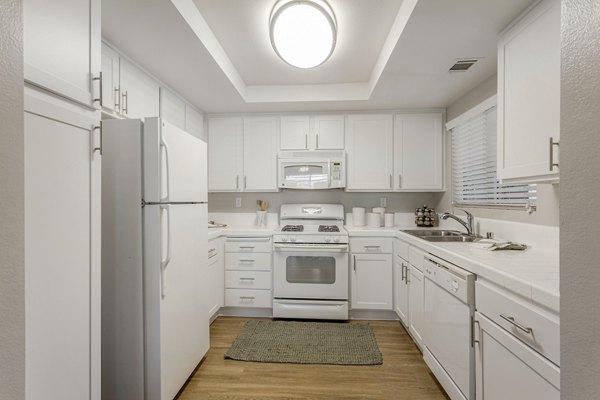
163	145
164	262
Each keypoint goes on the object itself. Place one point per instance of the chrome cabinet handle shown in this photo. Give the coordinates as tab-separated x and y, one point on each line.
99	99
317	141
237	182
403	277
354	263
117	99
399	181
246	247
99	148
516	324
306	141
245	182
391	181
247	297
247	279
125	102
247	261
552	163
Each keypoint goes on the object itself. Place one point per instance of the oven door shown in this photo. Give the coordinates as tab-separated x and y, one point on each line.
304	174
307	271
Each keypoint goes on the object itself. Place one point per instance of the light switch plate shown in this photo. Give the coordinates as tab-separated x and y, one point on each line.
238	202
383	202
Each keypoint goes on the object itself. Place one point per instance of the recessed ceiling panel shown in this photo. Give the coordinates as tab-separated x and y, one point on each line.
242	29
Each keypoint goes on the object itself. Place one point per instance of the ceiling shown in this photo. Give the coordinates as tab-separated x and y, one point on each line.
391	54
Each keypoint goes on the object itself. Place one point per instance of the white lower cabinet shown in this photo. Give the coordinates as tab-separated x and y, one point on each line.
371	275
416	289
506	368
401	294
248	272
62	250
216	276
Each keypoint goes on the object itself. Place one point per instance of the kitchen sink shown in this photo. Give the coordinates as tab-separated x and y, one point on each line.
440	235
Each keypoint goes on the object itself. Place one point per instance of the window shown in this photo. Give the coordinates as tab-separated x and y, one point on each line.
474	181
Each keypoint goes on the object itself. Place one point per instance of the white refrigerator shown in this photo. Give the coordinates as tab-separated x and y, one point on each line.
154	258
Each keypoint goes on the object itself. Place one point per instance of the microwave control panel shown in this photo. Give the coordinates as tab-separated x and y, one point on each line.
336	171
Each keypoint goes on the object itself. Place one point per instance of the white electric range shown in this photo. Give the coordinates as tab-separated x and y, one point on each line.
311	263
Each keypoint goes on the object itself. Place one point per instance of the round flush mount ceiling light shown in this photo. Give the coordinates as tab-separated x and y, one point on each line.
303	32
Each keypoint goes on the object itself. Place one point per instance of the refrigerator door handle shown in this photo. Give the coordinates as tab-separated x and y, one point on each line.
163	144
164	262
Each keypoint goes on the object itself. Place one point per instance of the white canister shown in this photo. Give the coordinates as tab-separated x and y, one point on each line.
373	220
381	212
389	220
358	216
349	219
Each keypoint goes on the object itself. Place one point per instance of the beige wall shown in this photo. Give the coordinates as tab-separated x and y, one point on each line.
547	202
407	202
12	289
580	196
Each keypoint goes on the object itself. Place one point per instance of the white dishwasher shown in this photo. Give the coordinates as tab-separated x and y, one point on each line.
449	306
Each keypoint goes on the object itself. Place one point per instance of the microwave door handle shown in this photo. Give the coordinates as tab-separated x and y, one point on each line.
329	173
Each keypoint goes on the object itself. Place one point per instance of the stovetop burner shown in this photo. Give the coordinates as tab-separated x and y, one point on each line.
292	228
329	228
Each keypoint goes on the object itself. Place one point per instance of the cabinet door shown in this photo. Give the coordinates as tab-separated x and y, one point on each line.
369	148
260	154
216	273
110	77
172	108
62	253
194	122
416	302
508	369
418	152
371	281
225	154
62	47
328	131
401	289
139	92
529	96
294	132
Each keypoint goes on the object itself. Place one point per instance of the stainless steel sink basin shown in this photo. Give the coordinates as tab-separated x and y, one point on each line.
441	235
462	238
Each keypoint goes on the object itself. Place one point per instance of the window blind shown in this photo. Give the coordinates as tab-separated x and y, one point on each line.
474	180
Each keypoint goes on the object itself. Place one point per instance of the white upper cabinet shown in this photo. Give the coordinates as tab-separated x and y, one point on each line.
328	132
260	154
110	80
529	96
194	122
139	92
225	154
62	47
418	152
319	132
172	108
369	139
294	132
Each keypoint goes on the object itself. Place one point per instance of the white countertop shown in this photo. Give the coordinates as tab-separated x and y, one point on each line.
531	273
241	230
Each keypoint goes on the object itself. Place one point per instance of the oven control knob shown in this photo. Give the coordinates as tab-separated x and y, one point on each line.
284	239
336	239
327	240
292	239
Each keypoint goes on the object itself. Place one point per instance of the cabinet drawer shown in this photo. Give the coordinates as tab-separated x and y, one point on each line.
401	249
416	258
540	328
248	279
248	298
251	262
370	245
248	245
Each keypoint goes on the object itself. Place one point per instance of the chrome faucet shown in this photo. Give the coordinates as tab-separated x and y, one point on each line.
468	225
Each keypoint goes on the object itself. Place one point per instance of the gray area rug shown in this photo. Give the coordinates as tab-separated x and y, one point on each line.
306	343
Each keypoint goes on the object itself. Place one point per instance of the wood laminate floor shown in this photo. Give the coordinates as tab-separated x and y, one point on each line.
403	375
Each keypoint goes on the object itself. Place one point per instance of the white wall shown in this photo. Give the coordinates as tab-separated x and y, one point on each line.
407	202
547	203
12	267
580	191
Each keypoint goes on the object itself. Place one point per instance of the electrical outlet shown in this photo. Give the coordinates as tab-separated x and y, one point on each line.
238	202
383	202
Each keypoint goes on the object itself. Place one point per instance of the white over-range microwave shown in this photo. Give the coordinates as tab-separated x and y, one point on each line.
312	169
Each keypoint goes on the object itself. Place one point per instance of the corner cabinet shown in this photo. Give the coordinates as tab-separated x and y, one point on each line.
529	96
418	152
242	154
369	148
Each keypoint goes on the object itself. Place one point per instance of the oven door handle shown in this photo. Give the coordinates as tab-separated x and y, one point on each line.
342	248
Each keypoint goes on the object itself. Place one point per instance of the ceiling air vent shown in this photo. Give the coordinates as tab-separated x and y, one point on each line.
462	65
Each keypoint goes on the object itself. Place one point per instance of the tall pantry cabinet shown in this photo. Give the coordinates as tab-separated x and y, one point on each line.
62	199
